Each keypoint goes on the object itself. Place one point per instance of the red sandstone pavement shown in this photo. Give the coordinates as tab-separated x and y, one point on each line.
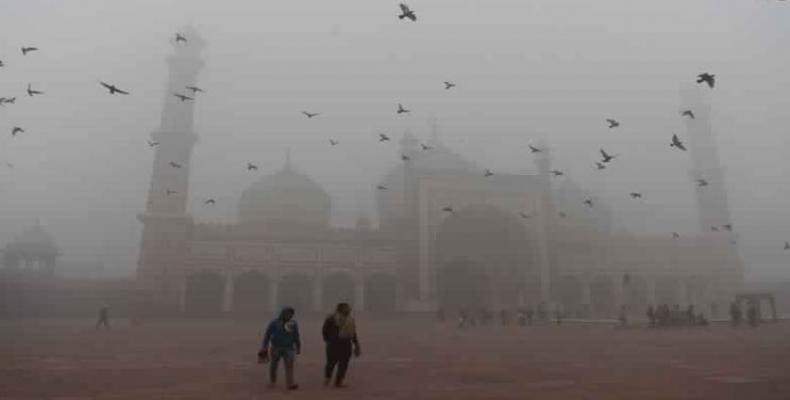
67	359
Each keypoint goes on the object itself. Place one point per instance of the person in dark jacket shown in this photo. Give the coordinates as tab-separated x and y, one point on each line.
340	334
104	317
283	335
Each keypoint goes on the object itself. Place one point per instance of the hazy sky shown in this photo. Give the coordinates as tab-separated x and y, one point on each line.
525	69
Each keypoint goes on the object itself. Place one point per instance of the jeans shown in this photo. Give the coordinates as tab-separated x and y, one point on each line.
288	356
338	354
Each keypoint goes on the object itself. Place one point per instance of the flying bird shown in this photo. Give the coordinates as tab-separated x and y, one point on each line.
557	172
169	192
180	38
702	183
448	85
534	149
152	144
310	115
612	123
405	157
113	89
488	173
251	167
523	215
381	187
425	147
175	164
406	12
402	110
210	202
383	138
183	97
31	92
26	50
714	228
600	166
562	214
333	142
607	157
728	227
16	130
9	165
677	143
448	210
635	195
688	113
707	78
10	100
787	245
588	202
1	64
675	235
194	89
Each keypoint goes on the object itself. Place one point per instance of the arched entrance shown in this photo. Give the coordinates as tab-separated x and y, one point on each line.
381	294
569	295
667	291
602	296
251	295
338	287
204	293
295	290
463	284
636	297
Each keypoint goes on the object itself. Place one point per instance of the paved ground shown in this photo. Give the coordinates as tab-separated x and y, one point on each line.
67	359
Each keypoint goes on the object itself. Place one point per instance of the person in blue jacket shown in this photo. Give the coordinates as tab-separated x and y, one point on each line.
283	336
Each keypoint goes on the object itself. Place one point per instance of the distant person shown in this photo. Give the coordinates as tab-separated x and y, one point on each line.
530	314
691	316
735	314
522	317
558	316
623	316
701	320
504	317
752	315
340	336
104	317
651	316
283	335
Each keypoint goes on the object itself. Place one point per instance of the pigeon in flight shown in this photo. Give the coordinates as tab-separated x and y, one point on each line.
383	138
557	172
707	78
31	92
714	228
425	147
113	89
523	215
406	12
677	143
180	38
402	110
210	202
688	113
9	100
381	187
183	97
702	183
636	195
1	64
16	130
26	50
612	123
405	157
562	214
333	142
152	144
310	115
675	235
607	157
588	202
727	227
534	149
175	164
170	192
488	173
251	167
787	245
448	85
600	166
448	210
194	89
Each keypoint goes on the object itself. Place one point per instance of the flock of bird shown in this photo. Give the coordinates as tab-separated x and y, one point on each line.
406	13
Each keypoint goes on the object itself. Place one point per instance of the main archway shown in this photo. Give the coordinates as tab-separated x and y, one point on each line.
381	294
462	284
602	296
295	290
570	295
251	294
204	292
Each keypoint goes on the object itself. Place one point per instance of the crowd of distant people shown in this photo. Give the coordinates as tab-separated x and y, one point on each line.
665	316
523	316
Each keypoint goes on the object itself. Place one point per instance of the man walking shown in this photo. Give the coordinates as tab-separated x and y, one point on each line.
104	317
283	334
340	333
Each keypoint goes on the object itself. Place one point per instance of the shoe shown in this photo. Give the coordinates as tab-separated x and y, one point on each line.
293	387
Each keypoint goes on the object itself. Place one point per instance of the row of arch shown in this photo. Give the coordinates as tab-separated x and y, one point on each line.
254	293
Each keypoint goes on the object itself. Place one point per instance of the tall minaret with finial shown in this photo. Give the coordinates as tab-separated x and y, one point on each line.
712	199
166	224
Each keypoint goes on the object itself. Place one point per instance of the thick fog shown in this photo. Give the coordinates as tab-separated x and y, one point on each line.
526	70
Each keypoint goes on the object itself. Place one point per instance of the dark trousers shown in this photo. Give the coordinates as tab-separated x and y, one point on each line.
288	356
338	353
103	322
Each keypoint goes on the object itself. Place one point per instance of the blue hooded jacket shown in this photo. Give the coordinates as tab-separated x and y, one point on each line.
283	334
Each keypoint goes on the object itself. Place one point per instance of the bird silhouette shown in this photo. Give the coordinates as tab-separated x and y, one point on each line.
607	157
404	157
675	235
635	195
488	173
210	202
251	167
562	214
557	172
707	78
194	89
612	123
175	164
152	144
688	113
425	147
16	130
170	192
9	100
310	115
727	227
702	183
2	64
180	38
381	187
534	149
714	228
406	12
588	202
383	138
182	97
448	210
9	165
677	143
600	166
333	142
787	245
26	50
523	215
448	85
112	88
31	92
402	110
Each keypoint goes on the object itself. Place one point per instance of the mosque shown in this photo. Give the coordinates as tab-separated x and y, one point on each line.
448	237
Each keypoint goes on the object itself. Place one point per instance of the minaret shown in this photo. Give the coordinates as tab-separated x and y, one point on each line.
166	224
712	204
548	216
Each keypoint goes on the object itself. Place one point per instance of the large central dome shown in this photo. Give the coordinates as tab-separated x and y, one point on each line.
287	200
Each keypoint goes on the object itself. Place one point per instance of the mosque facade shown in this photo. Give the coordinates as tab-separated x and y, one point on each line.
448	238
